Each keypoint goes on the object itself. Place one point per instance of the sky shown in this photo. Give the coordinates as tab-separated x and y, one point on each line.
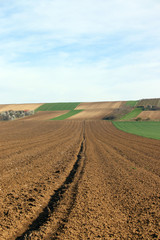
71	50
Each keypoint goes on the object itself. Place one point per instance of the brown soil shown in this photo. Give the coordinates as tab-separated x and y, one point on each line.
18	107
152	115
99	105
46	115
96	110
92	114
77	180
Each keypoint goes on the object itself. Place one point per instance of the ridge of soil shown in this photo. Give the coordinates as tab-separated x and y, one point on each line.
77	180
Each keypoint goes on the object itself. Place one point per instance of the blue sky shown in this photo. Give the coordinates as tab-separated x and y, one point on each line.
70	50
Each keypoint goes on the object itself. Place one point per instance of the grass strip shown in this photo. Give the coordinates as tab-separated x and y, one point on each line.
67	115
133	114
144	129
132	103
58	106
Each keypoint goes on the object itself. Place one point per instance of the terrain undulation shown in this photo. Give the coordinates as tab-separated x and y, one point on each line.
80	179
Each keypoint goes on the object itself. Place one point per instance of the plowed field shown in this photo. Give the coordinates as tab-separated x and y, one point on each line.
77	180
95	110
92	114
18	107
46	115
152	115
99	105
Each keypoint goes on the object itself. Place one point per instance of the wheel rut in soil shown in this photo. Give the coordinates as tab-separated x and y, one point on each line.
71	183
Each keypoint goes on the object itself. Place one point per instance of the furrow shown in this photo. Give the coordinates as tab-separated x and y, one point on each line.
68	189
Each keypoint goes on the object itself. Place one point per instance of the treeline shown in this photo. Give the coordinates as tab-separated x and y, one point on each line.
149	104
149	108
12	115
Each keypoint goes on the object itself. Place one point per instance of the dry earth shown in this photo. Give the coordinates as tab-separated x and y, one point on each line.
99	105
153	115
46	115
96	110
77	180
18	107
92	114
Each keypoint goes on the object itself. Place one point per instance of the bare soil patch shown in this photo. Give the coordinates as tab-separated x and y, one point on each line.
77	180
16	107
96	110
99	105
46	115
152	115
92	114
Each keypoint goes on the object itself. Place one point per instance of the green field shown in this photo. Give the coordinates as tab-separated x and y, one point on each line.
133	114
67	115
145	129
58	106
131	103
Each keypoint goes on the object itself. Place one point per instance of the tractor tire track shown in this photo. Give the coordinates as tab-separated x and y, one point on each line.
69	188
96	183
29	179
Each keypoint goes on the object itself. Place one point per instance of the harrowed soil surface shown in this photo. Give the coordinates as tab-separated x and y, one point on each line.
44	115
19	107
92	114
96	110
152	115
99	105
77	180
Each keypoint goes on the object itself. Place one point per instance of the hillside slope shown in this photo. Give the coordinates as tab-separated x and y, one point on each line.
96	110
146	102
19	107
150	115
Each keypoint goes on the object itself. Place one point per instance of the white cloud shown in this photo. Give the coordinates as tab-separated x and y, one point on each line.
73	17
72	50
85	83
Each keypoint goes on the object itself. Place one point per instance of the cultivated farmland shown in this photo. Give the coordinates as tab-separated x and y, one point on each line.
79	111
19	107
77	180
58	106
44	115
145	129
99	105
133	114
132	103
92	114
67	115
150	115
96	110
